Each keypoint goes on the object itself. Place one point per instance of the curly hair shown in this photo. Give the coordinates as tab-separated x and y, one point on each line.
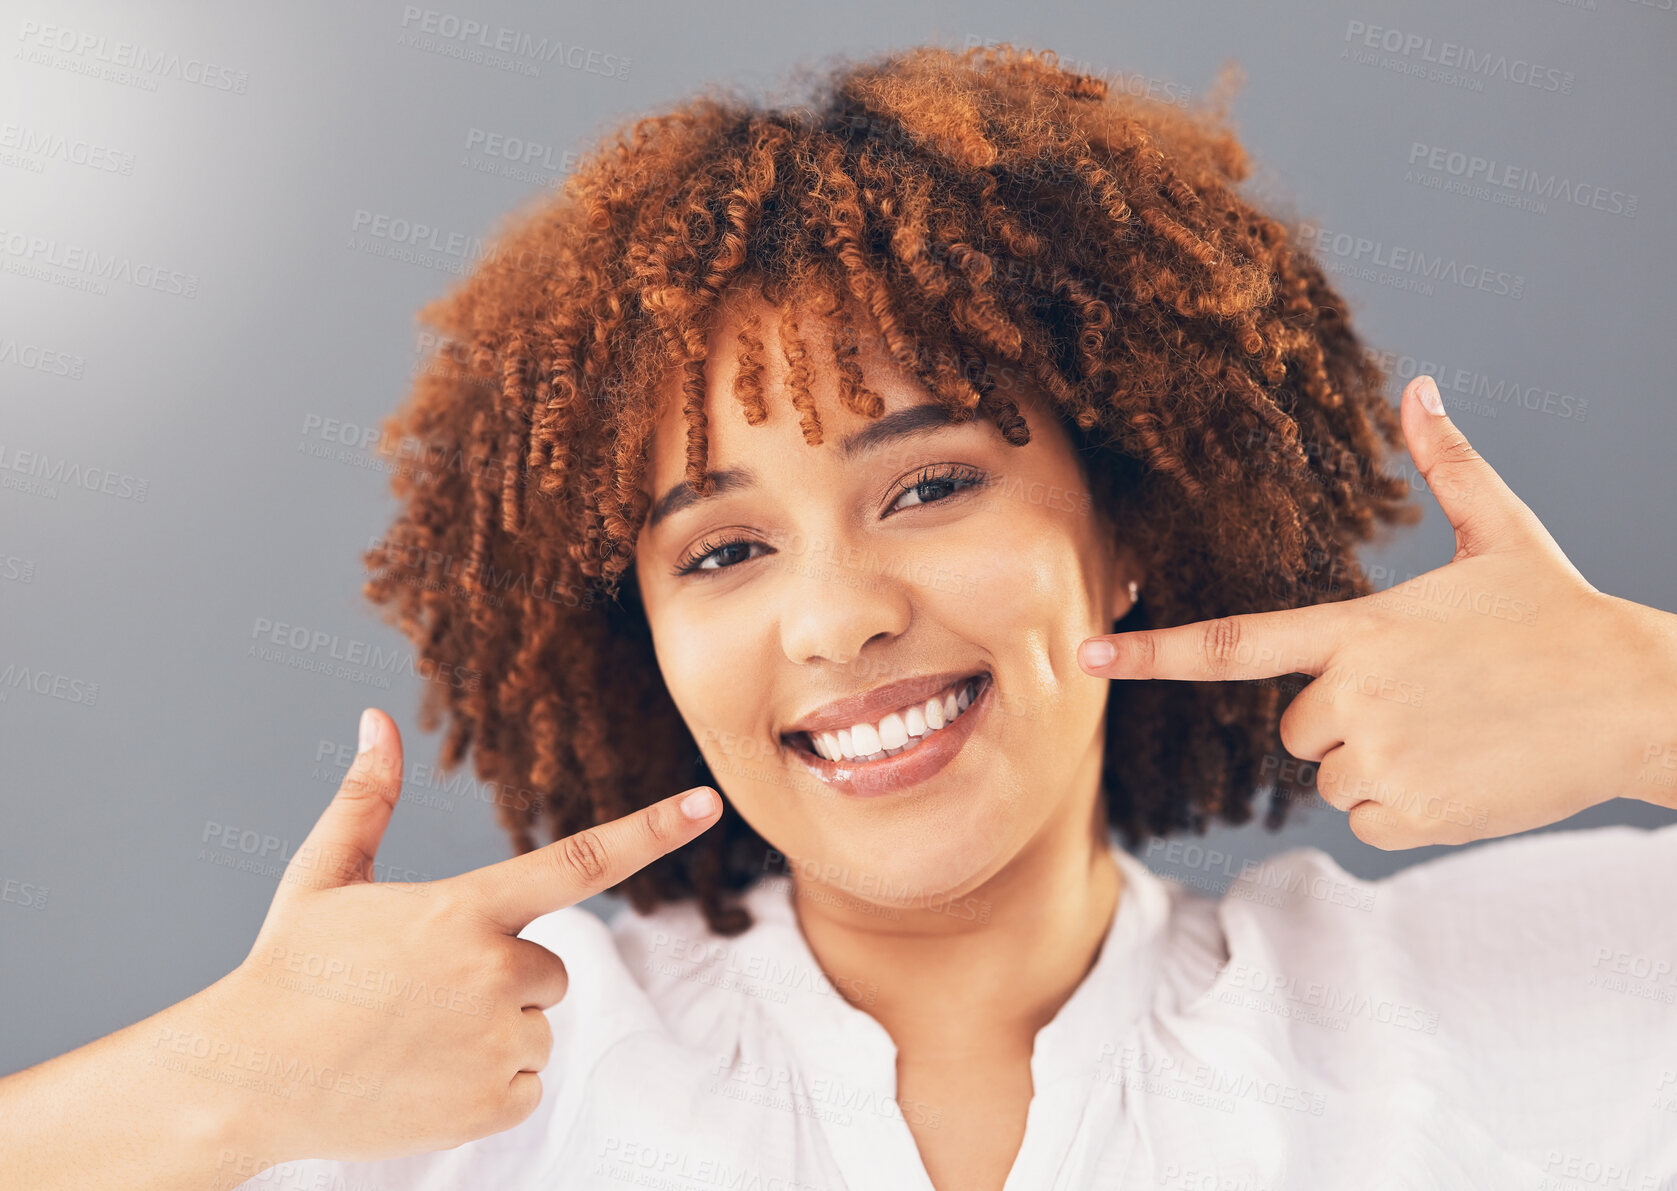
987	210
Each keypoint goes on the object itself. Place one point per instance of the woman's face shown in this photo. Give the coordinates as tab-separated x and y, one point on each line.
907	561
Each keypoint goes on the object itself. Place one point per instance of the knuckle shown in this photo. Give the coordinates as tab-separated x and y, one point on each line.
364	784
584	855
655	822
503	1035
1290	730
441	899
499	967
1377	827
1378	766
1145	648
1330	784
487	1110
522	1099
1456	449
1221	642
331	864
544	1048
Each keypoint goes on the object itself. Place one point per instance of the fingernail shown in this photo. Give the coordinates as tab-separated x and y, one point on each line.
369	731
698	804
1097	653
1427	391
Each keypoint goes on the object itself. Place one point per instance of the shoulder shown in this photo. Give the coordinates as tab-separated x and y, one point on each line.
1523	990
1539	896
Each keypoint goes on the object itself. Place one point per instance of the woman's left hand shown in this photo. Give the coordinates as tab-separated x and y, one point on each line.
1496	694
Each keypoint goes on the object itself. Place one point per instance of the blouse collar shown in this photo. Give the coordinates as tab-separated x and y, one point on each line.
1086	1032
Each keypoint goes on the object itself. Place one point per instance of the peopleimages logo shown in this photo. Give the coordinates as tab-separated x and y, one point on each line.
347	657
414	233
14	677
37	144
41	474
41	359
1477	392
1419	269
455	36
520	151
35	256
1507	179
126	56
1455	56
416	242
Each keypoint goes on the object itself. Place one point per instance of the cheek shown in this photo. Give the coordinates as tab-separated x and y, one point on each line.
714	683
1035	600
1027	572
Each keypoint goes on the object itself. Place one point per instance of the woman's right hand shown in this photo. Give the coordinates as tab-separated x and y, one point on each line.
412	1011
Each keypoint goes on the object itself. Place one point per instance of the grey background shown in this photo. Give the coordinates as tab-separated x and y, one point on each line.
113	909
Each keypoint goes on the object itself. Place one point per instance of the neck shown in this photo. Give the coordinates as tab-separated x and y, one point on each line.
1017	949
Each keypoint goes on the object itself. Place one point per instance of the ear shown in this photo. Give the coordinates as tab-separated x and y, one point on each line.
1125	570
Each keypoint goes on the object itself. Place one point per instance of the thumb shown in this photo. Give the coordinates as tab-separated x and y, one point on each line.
345	839
1483	510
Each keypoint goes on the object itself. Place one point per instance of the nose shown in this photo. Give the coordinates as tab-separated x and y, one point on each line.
833	607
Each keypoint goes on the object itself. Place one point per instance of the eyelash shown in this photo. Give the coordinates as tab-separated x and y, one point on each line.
961	475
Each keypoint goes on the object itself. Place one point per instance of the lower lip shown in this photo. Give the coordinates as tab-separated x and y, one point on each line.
871	779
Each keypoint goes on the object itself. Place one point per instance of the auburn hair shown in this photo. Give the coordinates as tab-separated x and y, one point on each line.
987	210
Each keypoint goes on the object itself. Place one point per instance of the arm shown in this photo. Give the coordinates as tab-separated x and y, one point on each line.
139	1109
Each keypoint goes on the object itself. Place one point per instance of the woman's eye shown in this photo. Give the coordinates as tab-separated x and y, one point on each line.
931	487
725	555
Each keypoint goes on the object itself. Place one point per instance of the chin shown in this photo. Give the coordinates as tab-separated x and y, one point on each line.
918	859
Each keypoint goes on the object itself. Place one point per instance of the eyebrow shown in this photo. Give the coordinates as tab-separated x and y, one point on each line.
927	418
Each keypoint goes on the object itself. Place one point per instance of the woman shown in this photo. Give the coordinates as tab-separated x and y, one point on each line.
795	455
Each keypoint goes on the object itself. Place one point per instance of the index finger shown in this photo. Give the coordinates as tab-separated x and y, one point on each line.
1250	645
513	893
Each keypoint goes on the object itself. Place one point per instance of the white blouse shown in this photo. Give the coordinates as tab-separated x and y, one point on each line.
1498	1017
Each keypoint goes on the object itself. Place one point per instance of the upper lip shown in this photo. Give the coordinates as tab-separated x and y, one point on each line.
869	708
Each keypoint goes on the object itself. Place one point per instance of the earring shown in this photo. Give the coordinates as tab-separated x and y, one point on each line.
1135	591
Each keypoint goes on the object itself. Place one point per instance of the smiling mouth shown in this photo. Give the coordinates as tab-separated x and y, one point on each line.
902	731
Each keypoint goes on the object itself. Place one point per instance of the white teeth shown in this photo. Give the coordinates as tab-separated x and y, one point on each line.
892	752
897	732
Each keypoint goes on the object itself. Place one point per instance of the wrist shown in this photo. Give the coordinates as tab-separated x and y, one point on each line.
1650	742
222	1116
136	1108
